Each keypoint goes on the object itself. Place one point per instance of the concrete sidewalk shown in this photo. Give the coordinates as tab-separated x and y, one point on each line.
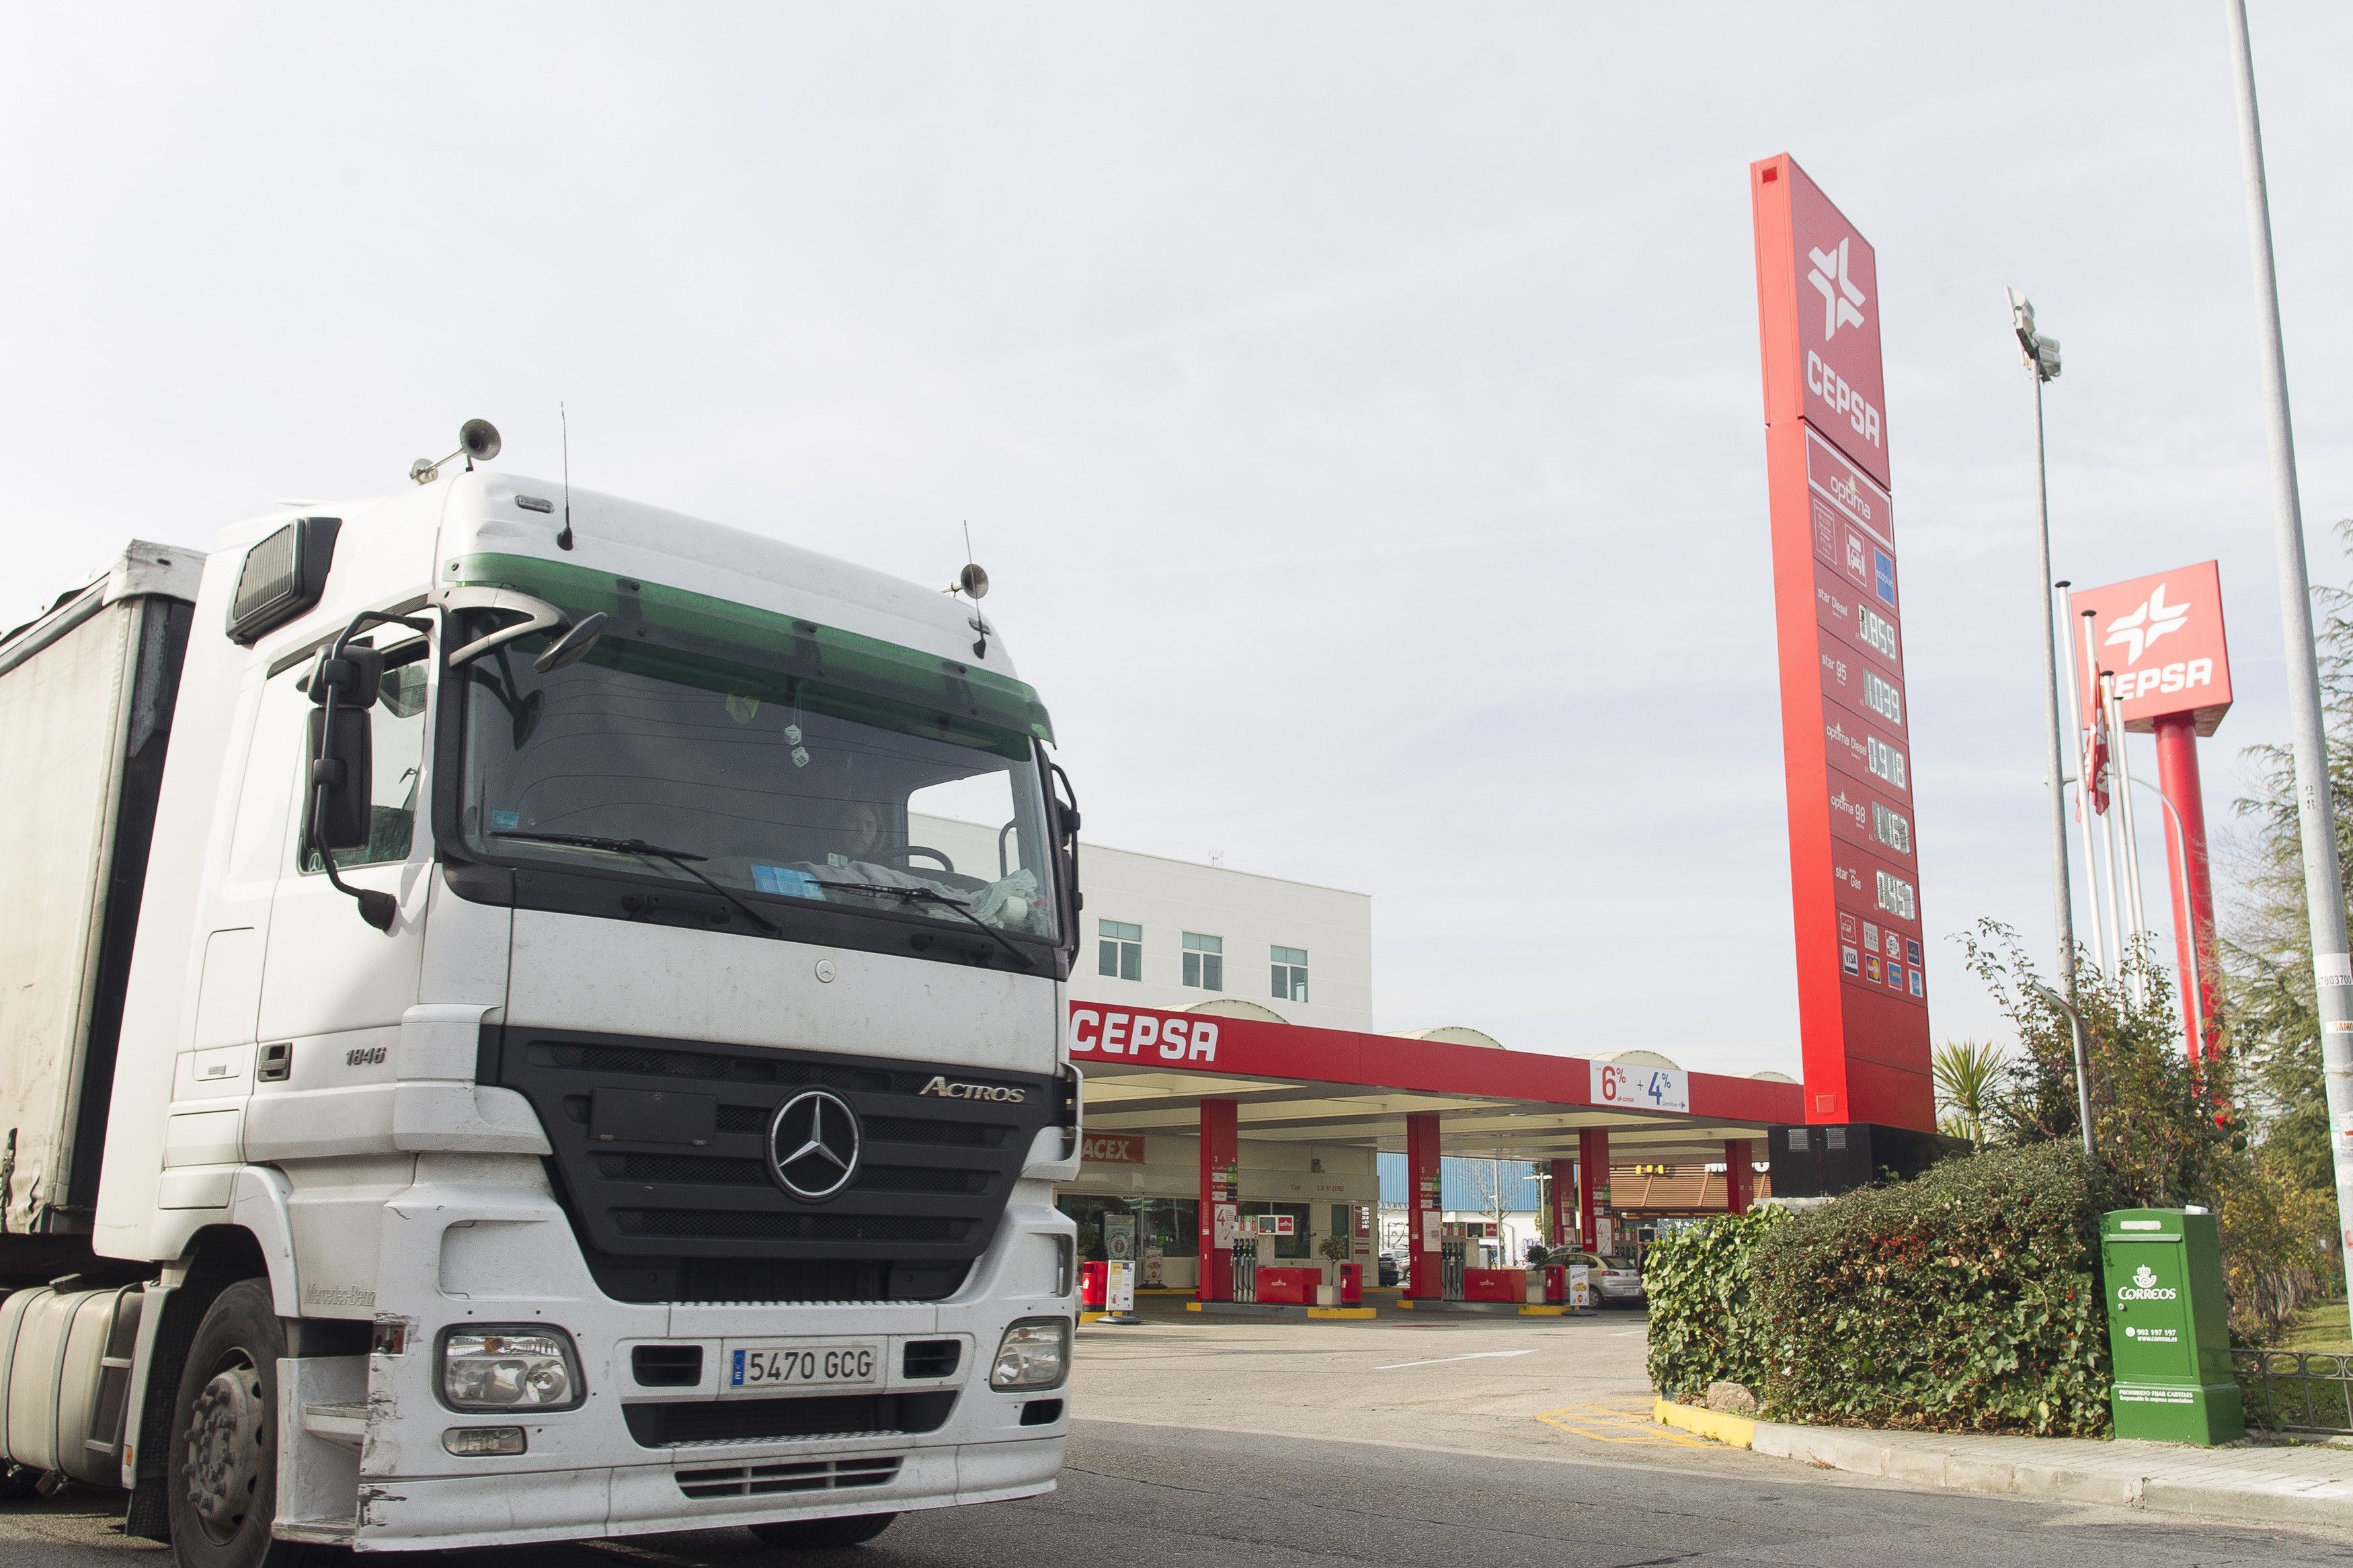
2265	1484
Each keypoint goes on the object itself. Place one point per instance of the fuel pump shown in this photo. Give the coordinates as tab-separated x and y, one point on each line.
1453	1256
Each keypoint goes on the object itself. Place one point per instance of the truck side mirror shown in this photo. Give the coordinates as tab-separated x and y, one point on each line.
342	756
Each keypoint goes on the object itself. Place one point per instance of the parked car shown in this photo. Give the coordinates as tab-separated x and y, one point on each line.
1387	1271
1615	1281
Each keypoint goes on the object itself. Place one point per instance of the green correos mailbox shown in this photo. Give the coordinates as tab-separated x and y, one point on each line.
2163	1269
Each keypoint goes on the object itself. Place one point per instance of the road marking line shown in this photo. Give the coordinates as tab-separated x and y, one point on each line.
1438	1361
1621	1424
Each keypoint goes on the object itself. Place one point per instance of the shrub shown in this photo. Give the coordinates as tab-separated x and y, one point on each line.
1968	1299
1703	1317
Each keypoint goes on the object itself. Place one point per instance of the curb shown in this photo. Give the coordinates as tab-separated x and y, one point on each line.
2282	1501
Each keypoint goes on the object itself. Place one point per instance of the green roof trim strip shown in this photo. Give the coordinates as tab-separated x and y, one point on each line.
820	652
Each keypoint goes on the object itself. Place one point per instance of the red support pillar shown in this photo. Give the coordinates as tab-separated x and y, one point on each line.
1564	1203
1423	1208
2193	884
1739	1181
1592	1180
1220	1199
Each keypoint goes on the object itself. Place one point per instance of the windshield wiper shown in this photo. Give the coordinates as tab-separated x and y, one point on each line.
681	859
928	895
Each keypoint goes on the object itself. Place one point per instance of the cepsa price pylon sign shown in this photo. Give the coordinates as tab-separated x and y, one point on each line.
1862	996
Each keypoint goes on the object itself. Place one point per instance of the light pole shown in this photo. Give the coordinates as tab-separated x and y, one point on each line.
2083	1062
2324	887
2042	361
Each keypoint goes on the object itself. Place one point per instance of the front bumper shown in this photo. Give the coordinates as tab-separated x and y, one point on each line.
460	1251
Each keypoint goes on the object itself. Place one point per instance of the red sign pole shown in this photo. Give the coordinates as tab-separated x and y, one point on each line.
2193	884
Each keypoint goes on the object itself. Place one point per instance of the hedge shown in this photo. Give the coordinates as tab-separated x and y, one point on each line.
1703	1312
1967	1299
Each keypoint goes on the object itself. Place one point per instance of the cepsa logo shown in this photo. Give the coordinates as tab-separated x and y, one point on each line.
1112	1033
1831	388
2160	640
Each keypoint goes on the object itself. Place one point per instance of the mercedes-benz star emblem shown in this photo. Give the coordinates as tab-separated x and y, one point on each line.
813	1144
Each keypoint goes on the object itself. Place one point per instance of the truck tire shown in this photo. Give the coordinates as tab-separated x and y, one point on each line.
821	1534
223	1486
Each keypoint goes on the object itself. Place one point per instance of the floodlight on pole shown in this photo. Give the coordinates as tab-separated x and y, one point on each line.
2043	358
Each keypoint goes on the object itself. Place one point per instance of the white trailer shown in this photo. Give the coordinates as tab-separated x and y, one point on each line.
528	1017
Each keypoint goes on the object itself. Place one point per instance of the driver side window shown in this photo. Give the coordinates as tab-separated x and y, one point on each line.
396	741
971	822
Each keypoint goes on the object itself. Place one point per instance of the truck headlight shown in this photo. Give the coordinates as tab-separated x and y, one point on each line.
509	1366
1034	1353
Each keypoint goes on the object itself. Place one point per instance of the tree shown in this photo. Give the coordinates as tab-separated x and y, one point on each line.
2266	950
1968	1074
2153	1123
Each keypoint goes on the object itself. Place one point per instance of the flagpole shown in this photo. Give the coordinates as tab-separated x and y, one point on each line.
2122	761
2088	781
2078	730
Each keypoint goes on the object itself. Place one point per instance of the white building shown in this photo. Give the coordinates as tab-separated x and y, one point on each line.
1176	934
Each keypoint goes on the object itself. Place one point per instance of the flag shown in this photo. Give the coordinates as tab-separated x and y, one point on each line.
2095	767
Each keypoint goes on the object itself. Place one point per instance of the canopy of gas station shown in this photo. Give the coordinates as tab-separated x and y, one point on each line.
1225	1078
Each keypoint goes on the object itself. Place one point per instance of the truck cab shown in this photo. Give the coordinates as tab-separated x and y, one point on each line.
590	1058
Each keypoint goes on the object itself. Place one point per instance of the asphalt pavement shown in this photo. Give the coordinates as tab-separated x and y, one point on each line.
1466	1443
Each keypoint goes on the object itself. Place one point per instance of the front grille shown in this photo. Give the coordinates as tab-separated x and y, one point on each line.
668	1183
809	1476
661	1426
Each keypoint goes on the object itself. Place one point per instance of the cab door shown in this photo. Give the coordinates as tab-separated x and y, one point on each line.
334	987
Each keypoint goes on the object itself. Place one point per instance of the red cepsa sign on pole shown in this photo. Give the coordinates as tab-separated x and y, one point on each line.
1845	724
2160	639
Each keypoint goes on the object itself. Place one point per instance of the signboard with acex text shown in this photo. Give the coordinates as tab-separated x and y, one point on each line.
1839	616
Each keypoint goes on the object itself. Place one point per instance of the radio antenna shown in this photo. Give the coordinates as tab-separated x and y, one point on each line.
564	539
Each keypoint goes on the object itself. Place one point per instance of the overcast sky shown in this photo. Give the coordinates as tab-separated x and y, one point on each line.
1357	408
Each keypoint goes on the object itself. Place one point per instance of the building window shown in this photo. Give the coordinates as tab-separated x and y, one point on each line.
1291	974
1119	953
1205	962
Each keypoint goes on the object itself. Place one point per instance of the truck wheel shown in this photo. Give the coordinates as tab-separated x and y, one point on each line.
223	1487
819	1534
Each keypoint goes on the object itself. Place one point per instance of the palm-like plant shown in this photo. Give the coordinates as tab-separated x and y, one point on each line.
1968	1075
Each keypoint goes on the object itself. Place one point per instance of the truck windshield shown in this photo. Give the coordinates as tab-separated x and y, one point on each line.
770	782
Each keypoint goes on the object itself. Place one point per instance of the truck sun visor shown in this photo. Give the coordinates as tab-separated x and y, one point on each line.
283	576
799	649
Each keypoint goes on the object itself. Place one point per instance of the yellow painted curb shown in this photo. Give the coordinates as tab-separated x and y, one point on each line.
1737	1430
1092	1317
1341	1313
1192	1306
1544	1311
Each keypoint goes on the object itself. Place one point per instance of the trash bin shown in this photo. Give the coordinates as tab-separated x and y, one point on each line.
1351	1285
1556	1285
2162	1272
1094	1285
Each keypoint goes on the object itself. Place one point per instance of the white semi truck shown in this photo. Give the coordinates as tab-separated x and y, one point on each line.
525	1016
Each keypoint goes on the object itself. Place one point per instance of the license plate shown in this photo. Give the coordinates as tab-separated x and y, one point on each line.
779	1368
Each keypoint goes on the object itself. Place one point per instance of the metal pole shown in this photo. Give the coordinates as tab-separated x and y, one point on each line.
2083	1067
2062	895
2324	889
2137	906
